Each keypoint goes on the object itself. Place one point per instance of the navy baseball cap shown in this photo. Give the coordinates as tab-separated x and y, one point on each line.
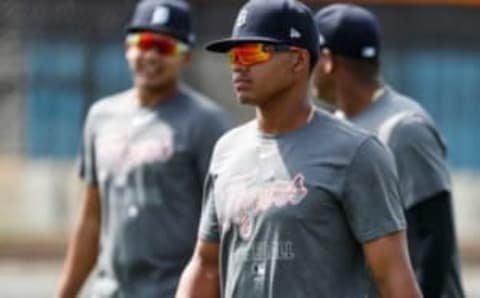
349	30
272	21
170	17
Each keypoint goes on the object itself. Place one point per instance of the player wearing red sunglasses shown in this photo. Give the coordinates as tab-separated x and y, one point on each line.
253	53
163	44
144	158
257	85
298	203
156	60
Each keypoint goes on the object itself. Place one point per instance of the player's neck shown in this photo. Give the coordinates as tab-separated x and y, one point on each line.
355	97
149	97
284	114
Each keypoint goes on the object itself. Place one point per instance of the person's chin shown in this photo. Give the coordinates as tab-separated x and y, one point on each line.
149	83
245	98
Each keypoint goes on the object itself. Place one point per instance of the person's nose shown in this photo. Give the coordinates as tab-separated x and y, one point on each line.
238	68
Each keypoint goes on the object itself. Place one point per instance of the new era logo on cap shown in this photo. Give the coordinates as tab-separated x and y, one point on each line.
160	15
321	40
369	52
294	33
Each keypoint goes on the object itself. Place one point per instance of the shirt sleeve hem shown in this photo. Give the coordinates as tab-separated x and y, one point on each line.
89	181
420	197
208	237
385	229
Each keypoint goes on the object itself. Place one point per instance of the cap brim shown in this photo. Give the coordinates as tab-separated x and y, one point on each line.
224	45
162	30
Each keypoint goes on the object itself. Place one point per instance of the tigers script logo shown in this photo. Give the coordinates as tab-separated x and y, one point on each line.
118	154
246	202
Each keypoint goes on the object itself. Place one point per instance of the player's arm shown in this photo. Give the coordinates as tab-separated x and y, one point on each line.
201	277
374	210
389	264
420	156
432	223
83	247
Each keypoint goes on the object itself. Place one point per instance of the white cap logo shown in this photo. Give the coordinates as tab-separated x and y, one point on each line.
242	18
321	39
369	52
294	33
160	15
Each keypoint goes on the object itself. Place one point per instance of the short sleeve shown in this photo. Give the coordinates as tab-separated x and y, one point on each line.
209	229
420	157
372	200
207	131
87	153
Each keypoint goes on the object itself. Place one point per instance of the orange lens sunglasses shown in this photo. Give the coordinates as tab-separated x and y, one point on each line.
250	54
163	45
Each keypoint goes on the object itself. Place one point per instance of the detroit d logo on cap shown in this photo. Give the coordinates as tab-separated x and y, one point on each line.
242	18
160	15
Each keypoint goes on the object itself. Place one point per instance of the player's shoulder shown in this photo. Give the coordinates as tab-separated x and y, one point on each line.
340	140
340	129
369	151
241	134
200	111
416	131
404	104
199	103
111	104
410	120
237	138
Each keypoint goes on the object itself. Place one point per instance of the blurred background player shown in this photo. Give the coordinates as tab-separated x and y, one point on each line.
145	155
348	74
291	211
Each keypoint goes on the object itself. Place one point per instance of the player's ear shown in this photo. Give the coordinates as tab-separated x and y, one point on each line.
125	48
301	60
128	55
326	61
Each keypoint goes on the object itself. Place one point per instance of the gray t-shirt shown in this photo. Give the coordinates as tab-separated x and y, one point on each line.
291	211
420	155
418	147
149	165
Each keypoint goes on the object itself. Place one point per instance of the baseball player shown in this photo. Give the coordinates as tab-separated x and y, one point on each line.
348	74
145	154
298	203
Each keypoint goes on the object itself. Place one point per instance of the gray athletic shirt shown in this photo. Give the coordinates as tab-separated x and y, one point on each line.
149	165
291	211
420	155
418	147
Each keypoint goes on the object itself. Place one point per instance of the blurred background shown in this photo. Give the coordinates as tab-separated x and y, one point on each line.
59	56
